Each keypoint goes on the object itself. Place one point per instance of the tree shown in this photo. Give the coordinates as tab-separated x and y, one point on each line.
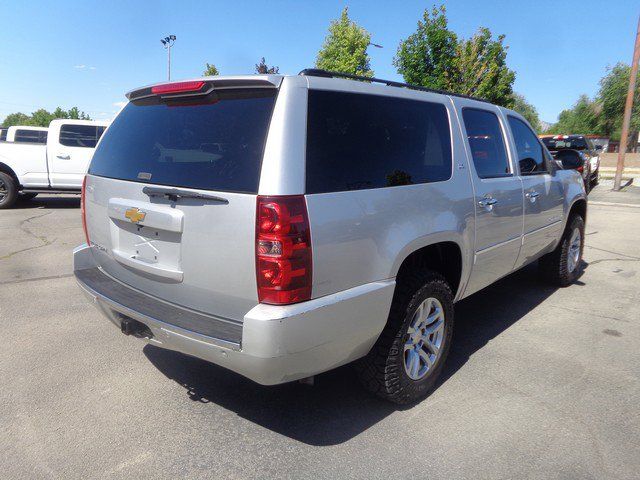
611	99
434	57
42	117
581	118
481	69
345	48
18	118
264	69
427	57
527	110
210	70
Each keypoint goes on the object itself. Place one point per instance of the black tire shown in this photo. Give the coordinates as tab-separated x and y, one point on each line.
8	191
382	371
555	266
27	196
596	179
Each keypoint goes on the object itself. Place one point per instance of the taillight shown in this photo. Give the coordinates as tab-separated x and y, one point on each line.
83	209
283	250
177	87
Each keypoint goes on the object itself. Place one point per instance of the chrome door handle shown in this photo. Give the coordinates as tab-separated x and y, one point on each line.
487	202
532	196
64	157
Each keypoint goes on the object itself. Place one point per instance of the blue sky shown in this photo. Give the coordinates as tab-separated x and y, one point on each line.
89	53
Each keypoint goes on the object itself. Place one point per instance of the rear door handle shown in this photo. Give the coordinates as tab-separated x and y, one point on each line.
532	196
487	202
64	157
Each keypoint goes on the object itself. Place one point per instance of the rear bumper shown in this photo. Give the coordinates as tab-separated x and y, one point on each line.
274	344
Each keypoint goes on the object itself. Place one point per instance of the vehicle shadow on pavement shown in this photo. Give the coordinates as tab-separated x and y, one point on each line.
336	408
52	201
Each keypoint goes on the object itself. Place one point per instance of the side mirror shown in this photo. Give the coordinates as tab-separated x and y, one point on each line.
528	165
570	159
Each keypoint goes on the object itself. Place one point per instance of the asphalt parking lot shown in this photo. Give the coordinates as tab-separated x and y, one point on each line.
541	383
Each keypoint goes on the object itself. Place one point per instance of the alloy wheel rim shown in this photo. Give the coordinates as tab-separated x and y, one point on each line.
3	190
574	250
424	339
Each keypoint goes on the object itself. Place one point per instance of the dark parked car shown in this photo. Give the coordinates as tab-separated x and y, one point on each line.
584	146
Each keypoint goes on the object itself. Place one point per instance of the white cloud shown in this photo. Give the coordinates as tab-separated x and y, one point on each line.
80	67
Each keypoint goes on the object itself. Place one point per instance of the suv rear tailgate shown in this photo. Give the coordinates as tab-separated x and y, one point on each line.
171	194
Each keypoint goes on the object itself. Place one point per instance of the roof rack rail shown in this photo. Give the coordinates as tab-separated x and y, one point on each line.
316	72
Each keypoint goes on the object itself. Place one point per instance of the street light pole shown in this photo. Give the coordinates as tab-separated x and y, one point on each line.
168	43
626	120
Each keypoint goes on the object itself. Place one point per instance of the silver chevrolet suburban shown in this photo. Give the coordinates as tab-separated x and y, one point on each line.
282	226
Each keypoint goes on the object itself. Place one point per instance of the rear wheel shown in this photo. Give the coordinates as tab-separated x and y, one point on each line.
407	359
8	191
562	266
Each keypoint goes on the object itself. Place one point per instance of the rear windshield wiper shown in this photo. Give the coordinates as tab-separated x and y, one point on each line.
176	193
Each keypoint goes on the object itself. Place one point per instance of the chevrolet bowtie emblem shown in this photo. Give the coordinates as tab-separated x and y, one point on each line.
135	215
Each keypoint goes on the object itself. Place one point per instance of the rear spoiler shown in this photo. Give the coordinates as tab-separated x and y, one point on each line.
203	86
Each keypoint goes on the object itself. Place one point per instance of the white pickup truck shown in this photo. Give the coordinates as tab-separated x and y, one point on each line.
57	166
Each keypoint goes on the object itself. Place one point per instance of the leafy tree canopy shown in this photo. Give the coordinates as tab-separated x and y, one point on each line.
264	69
210	70
434	57
42	117
527	110
345	48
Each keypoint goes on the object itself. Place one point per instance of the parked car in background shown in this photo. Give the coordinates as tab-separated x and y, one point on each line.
3	134
27	134
282	226
574	160
56	166
582	144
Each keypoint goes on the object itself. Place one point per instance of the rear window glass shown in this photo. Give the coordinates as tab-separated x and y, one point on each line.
357	141
574	143
3	134
83	136
30	136
216	144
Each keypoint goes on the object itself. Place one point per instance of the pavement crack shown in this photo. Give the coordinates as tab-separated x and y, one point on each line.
45	241
611	252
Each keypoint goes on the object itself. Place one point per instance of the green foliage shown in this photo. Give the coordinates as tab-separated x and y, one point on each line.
480	67
581	118
612	97
42	117
265	69
345	48
434	57
210	70
18	118
527	110
427	57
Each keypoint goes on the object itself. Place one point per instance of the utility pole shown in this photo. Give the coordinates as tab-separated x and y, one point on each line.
626	120
168	43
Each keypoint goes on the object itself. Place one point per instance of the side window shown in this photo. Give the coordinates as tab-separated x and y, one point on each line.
3	134
84	136
29	136
486	142
530	152
361	141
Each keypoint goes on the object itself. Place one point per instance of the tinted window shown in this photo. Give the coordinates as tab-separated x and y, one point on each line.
486	143
216	144
83	136
30	136
3	134
357	141
530	154
565	141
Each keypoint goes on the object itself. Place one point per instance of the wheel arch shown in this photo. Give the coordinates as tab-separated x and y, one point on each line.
9	171
444	257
